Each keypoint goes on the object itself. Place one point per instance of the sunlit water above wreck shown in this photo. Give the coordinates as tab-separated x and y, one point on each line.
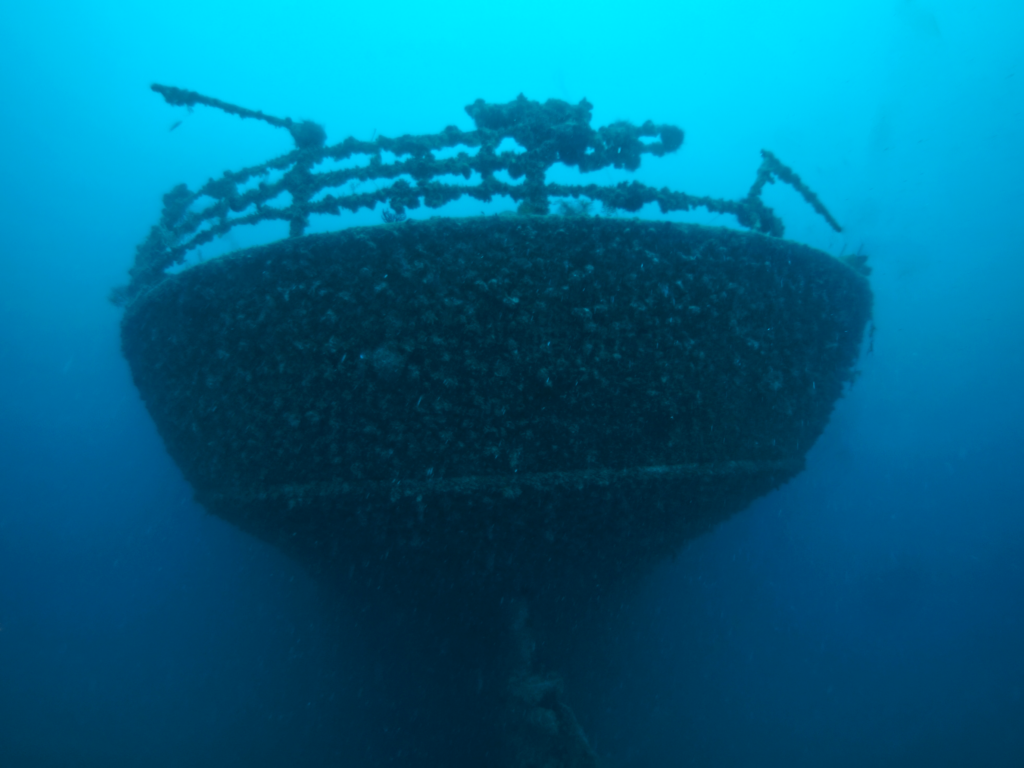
868	612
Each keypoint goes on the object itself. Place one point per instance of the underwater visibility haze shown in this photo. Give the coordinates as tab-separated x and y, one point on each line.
662	410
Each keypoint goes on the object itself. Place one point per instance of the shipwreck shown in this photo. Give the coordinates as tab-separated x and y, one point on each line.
513	412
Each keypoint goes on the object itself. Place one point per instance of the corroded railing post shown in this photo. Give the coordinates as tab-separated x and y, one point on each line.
548	133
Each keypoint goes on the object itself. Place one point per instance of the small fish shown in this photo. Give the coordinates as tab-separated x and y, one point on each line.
176	124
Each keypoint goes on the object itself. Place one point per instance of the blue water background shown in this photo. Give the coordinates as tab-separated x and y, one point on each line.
871	612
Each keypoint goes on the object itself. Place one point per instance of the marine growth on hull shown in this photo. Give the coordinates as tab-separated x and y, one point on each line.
516	413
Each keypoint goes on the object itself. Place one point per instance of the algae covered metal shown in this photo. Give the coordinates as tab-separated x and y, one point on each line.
511	407
493	398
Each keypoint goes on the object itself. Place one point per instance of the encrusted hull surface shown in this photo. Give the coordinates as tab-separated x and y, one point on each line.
510	400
